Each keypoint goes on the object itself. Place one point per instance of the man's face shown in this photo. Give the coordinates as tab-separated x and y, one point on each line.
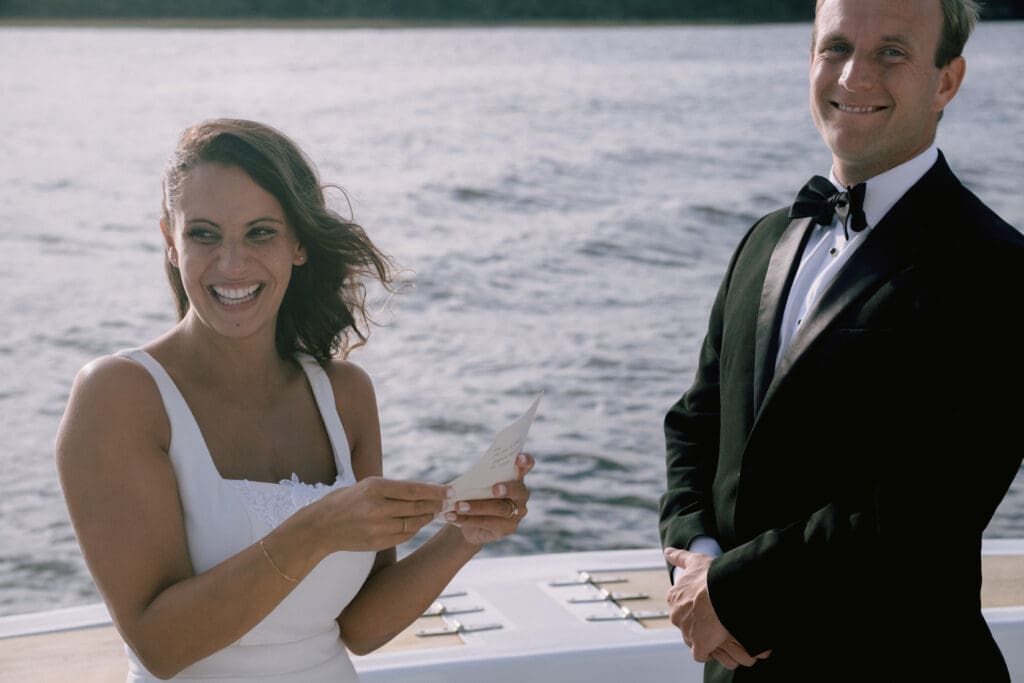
875	90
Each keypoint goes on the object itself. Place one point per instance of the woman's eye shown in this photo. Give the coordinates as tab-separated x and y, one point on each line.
201	235
260	233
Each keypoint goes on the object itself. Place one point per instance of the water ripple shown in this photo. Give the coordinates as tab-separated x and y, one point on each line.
568	201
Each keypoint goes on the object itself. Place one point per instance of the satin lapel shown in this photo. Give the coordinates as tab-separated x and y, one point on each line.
877	260
781	268
888	249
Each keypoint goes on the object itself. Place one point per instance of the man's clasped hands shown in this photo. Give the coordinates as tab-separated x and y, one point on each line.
692	613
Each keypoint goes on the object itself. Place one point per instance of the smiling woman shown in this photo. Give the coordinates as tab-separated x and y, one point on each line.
324	305
225	480
232	250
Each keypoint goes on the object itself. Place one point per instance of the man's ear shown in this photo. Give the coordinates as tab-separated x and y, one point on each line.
951	77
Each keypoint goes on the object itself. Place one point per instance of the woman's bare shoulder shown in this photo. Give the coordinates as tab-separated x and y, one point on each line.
114	397
347	378
119	384
113	372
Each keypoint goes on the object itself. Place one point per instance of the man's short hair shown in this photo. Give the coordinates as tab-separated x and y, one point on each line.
958	20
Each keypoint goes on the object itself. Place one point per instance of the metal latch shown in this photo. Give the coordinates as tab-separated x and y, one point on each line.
626	614
454	627
604	595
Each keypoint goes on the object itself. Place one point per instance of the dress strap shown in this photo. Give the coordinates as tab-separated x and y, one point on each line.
183	423
323	392
203	492
168	389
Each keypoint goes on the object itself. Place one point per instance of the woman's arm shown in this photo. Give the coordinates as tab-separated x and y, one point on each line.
397	593
123	500
122	495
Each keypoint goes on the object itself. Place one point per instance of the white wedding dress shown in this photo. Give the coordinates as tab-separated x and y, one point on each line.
298	641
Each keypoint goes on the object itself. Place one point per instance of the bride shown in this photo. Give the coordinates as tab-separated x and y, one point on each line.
225	480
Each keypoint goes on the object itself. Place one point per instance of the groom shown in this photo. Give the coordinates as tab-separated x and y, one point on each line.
858	409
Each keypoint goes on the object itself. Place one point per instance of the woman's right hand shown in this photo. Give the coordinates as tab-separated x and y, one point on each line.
376	513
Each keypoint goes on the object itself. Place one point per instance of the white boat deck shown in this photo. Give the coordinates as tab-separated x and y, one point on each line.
540	612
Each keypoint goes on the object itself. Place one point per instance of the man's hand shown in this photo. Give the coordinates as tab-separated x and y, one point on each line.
692	613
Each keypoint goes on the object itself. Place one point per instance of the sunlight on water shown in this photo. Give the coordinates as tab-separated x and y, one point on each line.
565	201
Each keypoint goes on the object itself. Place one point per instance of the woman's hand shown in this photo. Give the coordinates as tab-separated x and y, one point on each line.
486	520
376	513
396	593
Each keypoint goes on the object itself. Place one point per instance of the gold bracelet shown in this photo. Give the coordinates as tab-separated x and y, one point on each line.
274	564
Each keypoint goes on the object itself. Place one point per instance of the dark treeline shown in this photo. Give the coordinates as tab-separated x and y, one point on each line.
447	10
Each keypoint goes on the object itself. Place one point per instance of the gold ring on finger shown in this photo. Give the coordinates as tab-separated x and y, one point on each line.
512	509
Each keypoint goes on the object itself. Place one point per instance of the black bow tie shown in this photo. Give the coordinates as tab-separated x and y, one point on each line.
820	200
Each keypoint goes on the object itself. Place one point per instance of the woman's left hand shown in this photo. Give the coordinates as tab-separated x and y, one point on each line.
489	519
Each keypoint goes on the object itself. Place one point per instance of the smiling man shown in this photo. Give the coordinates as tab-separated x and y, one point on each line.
853	422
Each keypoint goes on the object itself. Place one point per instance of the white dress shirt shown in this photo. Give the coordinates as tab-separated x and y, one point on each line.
827	249
826	252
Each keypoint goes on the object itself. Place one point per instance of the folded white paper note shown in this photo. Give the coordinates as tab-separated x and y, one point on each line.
498	464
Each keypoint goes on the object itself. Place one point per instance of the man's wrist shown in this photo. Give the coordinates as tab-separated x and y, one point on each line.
703	544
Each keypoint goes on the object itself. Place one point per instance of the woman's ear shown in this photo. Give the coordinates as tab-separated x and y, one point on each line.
172	252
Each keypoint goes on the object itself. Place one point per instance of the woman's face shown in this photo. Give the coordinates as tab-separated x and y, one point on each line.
235	250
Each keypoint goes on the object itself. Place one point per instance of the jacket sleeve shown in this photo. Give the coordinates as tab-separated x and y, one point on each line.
692	428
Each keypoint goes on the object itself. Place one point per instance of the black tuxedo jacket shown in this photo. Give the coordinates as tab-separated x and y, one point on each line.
850	488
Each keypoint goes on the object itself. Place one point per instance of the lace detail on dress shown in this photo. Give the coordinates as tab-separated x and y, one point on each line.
274	503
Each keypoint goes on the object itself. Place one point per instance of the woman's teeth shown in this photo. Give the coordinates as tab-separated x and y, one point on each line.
235	295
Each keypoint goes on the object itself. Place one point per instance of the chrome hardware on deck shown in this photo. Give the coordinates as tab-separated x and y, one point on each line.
439	608
586	578
626	614
455	626
604	595
446	608
588	588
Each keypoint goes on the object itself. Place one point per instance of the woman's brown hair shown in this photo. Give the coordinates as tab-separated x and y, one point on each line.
323	312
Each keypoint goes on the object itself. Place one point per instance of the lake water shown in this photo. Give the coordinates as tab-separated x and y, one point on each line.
565	201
